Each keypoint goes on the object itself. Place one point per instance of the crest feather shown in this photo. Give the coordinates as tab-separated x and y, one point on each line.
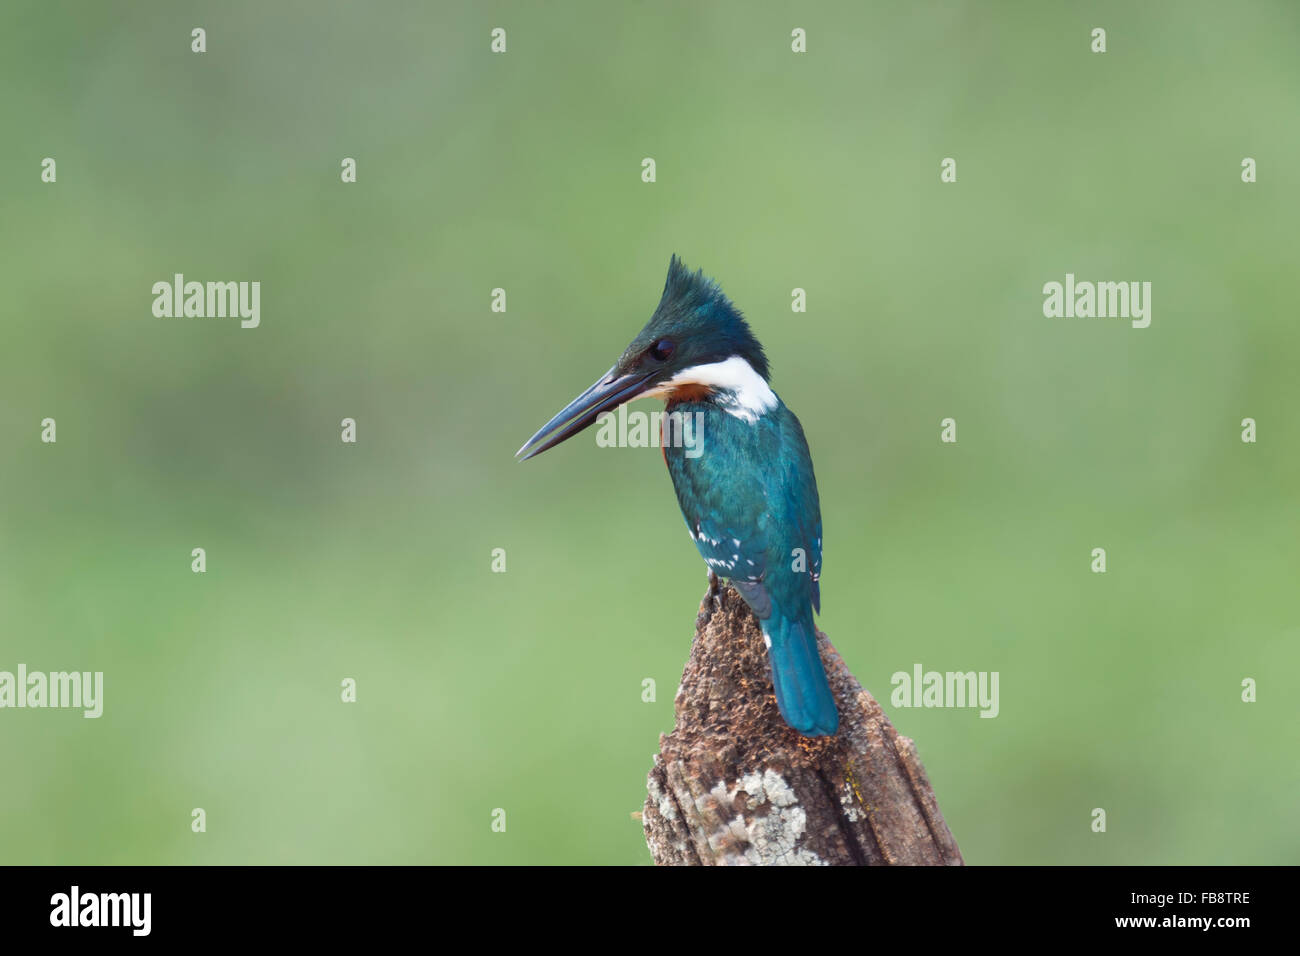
687	292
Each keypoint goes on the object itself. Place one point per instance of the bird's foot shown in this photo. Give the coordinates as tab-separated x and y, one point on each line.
715	587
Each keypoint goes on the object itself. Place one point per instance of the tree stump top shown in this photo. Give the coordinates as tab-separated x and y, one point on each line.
733	784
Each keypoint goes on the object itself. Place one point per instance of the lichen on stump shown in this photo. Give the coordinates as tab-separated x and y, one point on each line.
733	785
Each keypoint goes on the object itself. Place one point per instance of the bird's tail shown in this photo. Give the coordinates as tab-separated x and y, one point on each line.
802	691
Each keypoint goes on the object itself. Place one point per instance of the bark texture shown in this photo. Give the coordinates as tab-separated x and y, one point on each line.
733	785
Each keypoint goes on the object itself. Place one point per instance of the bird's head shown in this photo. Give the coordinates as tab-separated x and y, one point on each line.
696	345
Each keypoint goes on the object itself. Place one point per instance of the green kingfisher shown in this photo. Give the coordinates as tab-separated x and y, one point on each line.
744	480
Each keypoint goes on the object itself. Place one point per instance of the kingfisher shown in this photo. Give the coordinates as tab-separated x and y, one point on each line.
745	482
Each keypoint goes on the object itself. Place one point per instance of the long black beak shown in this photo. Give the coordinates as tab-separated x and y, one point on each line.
610	391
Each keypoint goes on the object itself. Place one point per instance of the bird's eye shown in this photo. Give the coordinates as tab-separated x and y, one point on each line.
662	349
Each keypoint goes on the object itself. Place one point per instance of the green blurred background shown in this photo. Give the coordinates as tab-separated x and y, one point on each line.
522	690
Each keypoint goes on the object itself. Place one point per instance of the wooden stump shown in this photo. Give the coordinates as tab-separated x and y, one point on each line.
733	785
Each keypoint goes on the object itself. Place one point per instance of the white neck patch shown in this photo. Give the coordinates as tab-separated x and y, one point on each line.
743	392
